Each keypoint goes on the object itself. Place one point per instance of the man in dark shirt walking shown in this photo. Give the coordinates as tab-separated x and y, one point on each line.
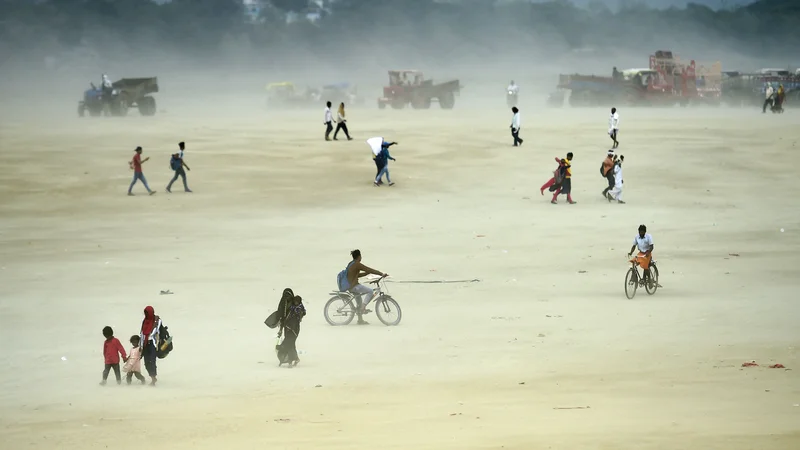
177	163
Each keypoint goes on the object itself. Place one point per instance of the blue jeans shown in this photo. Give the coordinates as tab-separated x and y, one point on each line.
138	176
179	173
384	170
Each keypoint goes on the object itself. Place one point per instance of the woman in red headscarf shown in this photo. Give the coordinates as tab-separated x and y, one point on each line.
148	342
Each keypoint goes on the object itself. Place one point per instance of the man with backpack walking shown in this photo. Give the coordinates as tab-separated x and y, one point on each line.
177	164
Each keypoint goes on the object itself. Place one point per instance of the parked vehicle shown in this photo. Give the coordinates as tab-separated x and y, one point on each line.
410	87
666	82
125	94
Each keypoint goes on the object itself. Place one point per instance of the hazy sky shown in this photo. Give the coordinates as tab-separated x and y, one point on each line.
714	4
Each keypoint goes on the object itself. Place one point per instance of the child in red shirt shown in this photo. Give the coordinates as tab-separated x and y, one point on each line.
112	348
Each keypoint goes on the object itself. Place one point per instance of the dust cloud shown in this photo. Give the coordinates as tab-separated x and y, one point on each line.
544	351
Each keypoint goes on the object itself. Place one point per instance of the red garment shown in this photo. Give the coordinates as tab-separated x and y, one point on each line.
149	322
112	348
137	163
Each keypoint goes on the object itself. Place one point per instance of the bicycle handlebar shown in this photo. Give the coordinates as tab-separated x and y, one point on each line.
376	281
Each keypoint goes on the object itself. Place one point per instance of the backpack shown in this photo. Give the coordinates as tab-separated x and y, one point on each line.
602	169
164	342
174	163
341	279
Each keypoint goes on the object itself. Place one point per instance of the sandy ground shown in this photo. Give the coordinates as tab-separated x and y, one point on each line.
477	365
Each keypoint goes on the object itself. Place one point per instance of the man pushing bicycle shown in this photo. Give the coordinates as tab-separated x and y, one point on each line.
644	241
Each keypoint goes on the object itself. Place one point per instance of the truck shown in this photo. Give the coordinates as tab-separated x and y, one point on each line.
285	95
125	94
666	82
410	87
342	92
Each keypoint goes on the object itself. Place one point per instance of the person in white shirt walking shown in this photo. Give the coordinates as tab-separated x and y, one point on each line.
512	94
616	192
107	88
328	121
769	100
613	126
515	124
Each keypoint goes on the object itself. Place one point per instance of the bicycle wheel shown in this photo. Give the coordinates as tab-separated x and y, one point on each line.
653	285
388	311
631	283
339	311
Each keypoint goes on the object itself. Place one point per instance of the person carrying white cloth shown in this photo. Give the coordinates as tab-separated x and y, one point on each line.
616	193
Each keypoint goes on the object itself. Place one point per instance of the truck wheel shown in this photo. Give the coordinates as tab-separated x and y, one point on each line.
579	99
381	105
421	102
118	107
147	106
81	110
447	100
632	97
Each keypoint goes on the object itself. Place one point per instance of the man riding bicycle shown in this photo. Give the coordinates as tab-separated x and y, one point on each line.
348	281
644	242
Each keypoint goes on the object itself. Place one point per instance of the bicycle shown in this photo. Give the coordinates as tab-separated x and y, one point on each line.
634	280
341	308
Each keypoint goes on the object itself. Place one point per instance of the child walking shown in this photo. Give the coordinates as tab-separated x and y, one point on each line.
133	366
112	348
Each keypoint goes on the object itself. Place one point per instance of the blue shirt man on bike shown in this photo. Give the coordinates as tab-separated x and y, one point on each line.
644	241
356	270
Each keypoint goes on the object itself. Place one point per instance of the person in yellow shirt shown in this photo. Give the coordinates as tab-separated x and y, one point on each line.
779	96
566	184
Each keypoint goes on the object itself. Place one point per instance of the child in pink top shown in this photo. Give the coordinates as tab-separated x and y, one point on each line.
133	366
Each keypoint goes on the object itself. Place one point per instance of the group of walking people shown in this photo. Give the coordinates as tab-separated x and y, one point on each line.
176	163
612	171
152	342
341	122
774	98
379	146
561	182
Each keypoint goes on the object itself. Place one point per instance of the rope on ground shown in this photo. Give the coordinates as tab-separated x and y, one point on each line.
434	281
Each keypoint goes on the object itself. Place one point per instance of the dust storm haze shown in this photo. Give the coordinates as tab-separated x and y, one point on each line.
516	331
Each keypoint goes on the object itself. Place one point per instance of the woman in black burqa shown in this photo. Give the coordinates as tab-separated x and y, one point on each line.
290	313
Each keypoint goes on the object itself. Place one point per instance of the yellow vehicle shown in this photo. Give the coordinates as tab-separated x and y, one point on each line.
285	94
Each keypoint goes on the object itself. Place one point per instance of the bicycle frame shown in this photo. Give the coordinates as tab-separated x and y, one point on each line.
640	272
379	291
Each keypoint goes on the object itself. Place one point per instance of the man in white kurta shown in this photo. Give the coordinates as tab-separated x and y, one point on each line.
613	126
616	193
